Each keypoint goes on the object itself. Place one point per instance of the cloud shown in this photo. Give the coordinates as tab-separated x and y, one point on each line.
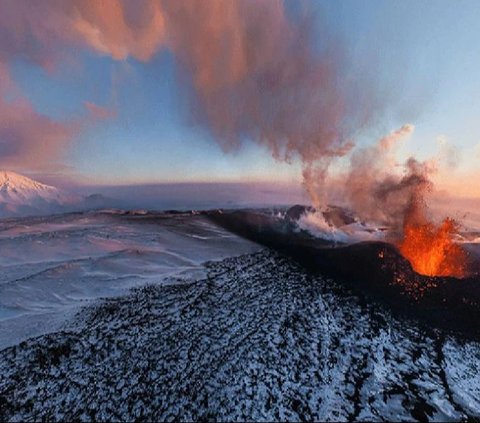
28	138
253	71
45	31
51	31
120	28
32	141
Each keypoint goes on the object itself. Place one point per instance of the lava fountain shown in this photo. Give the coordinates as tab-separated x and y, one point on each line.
430	248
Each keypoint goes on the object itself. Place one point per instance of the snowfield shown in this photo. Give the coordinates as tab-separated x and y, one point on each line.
200	324
50	266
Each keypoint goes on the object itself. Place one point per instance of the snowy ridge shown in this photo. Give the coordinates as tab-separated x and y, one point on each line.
315	223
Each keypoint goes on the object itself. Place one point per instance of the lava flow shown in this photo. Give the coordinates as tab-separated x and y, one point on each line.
432	250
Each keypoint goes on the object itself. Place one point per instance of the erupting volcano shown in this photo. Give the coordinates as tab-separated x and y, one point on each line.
432	250
383	192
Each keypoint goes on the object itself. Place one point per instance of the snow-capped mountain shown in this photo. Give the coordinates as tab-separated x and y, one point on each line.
20	195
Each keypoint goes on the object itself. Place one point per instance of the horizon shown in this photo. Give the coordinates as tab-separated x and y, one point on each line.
197	195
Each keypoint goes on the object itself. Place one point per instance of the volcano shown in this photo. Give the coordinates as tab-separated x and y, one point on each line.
376	268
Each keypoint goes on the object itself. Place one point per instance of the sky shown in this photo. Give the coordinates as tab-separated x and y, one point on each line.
109	95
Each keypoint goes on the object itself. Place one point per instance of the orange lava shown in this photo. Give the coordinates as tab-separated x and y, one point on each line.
431	249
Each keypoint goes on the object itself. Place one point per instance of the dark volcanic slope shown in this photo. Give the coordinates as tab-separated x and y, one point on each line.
259	339
375	268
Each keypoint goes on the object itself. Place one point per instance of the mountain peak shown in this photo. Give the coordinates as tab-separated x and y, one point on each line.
15	181
20	195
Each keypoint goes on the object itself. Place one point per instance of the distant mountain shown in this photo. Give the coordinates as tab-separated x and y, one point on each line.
20	195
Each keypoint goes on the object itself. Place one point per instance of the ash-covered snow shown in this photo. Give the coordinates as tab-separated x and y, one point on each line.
317	223
256	338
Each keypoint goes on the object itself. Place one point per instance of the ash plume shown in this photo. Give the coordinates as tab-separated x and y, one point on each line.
383	191
257	75
257	72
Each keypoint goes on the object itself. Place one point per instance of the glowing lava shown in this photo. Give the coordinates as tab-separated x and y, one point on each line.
431	249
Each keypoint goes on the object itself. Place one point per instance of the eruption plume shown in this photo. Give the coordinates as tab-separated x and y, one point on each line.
372	188
257	76
379	194
255	71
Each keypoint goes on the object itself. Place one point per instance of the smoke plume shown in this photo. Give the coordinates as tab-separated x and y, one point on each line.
257	72
381	190
258	76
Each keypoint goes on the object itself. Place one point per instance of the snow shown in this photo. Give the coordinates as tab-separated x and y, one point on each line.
50	266
110	315
315	223
20	195
255	339
20	188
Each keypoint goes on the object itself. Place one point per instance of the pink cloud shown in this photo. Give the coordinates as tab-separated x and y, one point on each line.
120	28
29	139
46	31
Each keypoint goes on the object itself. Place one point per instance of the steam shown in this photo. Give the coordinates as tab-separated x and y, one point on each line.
383	191
378	188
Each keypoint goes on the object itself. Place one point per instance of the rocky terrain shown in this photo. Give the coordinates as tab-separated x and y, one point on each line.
257	339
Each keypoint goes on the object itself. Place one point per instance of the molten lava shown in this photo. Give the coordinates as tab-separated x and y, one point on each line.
431	249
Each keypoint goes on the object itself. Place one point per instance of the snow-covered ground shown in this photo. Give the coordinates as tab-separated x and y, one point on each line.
256	339
183	320
315	223
49	266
